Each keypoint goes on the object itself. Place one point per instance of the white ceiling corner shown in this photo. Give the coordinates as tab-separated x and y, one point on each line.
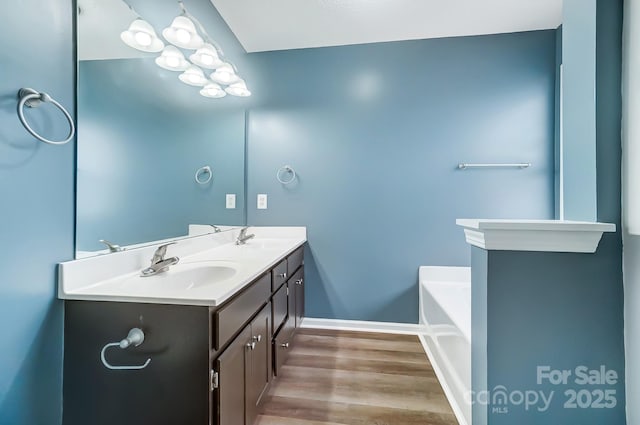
100	22
265	25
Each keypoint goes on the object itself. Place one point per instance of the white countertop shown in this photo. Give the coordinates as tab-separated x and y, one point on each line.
534	235
112	277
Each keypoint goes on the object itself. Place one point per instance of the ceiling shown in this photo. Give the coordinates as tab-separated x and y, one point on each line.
263	25
100	22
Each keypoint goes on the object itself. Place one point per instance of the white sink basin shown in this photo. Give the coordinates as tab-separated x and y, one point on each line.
186	276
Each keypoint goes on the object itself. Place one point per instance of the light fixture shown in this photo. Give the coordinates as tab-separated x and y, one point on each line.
186	32
182	33
141	36
193	76
238	89
213	90
206	57
225	74
172	59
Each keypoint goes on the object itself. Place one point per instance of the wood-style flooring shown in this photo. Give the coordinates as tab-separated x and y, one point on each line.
356	378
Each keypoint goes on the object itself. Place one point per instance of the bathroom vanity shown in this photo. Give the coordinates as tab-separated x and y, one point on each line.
204	359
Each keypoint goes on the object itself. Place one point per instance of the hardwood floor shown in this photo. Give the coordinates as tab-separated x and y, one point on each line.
356	378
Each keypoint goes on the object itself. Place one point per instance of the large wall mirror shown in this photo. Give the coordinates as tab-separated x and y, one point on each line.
143	134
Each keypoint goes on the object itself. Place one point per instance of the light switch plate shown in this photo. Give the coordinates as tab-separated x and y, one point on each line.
262	201
231	201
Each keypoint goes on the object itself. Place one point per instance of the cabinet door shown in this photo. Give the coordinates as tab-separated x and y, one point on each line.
233	366
260	373
299	295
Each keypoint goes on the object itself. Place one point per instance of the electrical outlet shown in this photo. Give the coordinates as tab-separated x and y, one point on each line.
262	201
231	201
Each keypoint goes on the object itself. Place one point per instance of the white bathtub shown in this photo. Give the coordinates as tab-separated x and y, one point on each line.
445	316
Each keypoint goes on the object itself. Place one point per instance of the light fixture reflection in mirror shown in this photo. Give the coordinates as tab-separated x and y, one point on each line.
238	89
206	57
172	59
193	76
225	74
213	90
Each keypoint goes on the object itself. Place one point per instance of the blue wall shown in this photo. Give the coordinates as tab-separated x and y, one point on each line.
563	310
37	187
143	134
579	109
375	133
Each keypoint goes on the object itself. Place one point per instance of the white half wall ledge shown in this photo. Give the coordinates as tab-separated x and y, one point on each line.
534	235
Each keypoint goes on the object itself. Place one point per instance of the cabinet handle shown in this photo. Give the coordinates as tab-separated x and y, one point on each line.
285	345
257	338
299	282
283	275
251	345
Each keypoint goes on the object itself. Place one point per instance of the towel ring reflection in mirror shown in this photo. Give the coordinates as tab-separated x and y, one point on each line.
201	173
33	99
283	171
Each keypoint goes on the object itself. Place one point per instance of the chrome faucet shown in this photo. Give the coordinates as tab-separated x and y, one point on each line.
159	264
243	237
112	247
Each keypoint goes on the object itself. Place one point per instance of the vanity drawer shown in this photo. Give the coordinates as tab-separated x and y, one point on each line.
295	260
282	344
230	318
279	274
279	307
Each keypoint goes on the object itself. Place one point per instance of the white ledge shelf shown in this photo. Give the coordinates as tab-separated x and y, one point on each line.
534	235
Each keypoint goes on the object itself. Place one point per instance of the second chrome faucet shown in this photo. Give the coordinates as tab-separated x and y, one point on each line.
243	237
159	264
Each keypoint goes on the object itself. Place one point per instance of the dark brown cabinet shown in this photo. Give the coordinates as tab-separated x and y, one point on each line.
232	366
209	365
283	337
244	372
259	374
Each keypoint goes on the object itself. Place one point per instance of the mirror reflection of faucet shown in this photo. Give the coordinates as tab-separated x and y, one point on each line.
112	247
159	264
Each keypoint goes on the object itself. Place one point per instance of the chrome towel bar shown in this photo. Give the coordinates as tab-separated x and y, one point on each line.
521	165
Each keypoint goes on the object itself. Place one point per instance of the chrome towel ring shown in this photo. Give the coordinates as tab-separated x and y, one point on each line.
134	338
286	169
206	170
33	99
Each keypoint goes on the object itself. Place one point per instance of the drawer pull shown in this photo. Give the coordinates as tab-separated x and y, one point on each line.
257	338
299	282
251	345
285	345
283	275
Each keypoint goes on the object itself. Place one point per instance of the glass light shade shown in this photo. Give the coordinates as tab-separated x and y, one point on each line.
182	33
213	90
193	76
141	36
172	59
225	74
238	89
206	57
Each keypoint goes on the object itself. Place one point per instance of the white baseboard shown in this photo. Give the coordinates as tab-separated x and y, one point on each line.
363	326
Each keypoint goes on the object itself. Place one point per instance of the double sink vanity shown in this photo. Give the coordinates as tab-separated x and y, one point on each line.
196	343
